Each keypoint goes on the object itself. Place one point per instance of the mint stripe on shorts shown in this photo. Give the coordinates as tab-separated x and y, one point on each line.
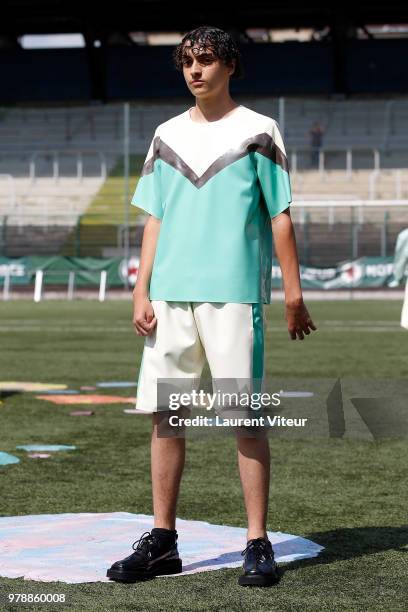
258	345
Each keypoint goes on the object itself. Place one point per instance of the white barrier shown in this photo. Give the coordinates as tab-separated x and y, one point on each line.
38	285
71	285
102	286
6	286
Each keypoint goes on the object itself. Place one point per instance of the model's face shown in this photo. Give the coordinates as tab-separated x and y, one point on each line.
204	72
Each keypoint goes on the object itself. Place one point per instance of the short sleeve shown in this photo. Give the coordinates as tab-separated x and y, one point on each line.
147	195
273	170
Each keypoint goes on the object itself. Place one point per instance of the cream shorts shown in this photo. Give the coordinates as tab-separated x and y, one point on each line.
229	335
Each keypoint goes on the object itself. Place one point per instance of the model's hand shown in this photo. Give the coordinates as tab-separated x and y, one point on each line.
298	318
144	319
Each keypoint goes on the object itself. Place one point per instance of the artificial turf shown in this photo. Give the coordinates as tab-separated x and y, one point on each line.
348	495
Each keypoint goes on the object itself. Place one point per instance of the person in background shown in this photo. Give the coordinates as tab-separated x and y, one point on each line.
316	142
400	263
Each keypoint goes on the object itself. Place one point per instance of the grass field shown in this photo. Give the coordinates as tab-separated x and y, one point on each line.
350	496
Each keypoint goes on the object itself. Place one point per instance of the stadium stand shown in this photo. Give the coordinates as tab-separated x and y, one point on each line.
62	167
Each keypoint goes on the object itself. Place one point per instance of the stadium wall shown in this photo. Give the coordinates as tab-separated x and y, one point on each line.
295	68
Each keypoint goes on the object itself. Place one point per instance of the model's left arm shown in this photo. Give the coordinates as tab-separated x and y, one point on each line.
296	313
273	173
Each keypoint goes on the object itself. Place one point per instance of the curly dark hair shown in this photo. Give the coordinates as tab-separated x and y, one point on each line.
222	44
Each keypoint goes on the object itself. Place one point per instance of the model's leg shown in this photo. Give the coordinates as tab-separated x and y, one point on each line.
173	352
254	470
167	463
259	567
156	552
233	338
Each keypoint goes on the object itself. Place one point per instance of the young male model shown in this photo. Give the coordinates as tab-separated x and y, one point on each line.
215	183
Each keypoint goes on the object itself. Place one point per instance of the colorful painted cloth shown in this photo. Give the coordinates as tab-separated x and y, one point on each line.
76	548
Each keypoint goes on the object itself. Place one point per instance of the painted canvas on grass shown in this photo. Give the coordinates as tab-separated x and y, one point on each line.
77	548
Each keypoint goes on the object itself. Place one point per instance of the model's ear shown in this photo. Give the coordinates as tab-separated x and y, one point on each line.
232	66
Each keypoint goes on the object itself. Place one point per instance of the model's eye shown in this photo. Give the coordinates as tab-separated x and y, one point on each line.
207	59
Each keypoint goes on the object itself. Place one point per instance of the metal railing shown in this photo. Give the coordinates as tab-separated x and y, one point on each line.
356	220
349	154
343	219
56	155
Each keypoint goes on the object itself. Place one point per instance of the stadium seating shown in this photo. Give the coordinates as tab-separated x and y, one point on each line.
54	162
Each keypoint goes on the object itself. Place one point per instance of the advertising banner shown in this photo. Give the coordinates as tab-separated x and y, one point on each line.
365	272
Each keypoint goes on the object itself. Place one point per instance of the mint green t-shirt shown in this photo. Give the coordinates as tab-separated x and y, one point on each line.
215	186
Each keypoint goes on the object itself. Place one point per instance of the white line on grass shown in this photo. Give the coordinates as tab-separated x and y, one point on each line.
370	329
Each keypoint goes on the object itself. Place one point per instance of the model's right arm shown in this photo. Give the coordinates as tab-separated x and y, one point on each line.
144	319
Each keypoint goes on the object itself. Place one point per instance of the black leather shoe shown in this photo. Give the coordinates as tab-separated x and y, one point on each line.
260	567
153	556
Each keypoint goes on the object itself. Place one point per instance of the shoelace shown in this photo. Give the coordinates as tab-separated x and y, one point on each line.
258	544
144	540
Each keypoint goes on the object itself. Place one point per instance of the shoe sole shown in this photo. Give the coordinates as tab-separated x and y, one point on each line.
258	579
163	569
